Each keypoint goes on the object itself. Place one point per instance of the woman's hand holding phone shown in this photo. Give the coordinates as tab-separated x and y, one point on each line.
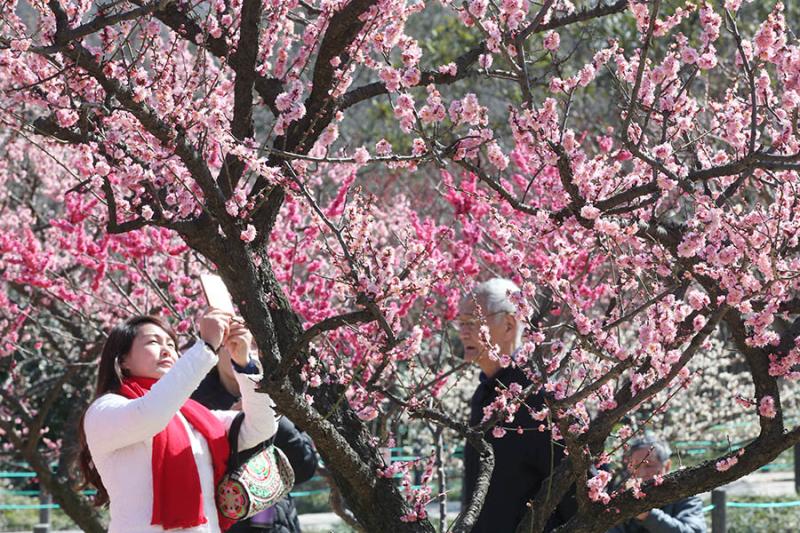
238	342
214	327
220	328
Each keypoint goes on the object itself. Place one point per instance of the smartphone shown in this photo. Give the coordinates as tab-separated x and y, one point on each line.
216	292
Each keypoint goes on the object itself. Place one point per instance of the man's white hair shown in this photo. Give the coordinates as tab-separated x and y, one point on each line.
494	298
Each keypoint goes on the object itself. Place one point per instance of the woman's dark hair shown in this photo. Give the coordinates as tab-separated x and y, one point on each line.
109	379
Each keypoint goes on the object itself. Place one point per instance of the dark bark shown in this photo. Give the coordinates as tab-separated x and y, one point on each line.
244	65
681	484
463	70
78	508
342	31
469	516
71	502
599	11
182	24
772	439
341	438
465	61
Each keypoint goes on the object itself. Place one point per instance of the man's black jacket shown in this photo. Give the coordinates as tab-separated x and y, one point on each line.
294	443
522	460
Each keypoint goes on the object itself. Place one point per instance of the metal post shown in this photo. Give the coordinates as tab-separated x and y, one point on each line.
797	468
718	524
442	475
417	471
45	500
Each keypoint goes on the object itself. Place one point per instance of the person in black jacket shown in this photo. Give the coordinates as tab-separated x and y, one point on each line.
523	454
646	458
219	390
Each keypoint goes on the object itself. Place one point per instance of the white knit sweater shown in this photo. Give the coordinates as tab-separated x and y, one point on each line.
120	431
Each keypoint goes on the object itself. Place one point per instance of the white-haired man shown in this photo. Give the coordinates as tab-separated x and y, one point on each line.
523	455
648	457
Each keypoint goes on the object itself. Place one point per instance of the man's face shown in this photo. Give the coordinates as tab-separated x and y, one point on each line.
644	464
470	319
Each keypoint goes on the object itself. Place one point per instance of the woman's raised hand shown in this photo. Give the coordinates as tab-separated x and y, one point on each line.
238	342
214	327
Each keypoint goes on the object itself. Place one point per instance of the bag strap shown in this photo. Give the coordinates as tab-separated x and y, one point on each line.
235	460
233	441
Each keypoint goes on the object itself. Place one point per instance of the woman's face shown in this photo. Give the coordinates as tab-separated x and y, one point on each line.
152	353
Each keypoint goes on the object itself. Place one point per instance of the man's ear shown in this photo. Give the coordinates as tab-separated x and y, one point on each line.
667	465
510	322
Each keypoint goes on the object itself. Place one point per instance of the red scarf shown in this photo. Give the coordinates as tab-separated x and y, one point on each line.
177	496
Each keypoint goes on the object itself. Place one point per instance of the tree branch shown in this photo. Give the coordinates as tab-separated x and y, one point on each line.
463	64
580	16
682	483
98	23
634	97
176	19
244	65
329	324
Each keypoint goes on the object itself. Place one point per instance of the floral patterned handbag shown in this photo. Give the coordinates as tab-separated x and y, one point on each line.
255	480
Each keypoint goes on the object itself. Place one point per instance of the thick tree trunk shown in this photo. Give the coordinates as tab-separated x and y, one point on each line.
71	502
340	437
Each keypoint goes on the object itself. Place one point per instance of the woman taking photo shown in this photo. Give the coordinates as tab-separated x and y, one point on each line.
155	455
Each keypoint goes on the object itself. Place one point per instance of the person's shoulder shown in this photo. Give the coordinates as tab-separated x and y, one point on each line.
211	385
109	399
212	394
287	426
514	374
102	408
683	504
521	377
690	500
